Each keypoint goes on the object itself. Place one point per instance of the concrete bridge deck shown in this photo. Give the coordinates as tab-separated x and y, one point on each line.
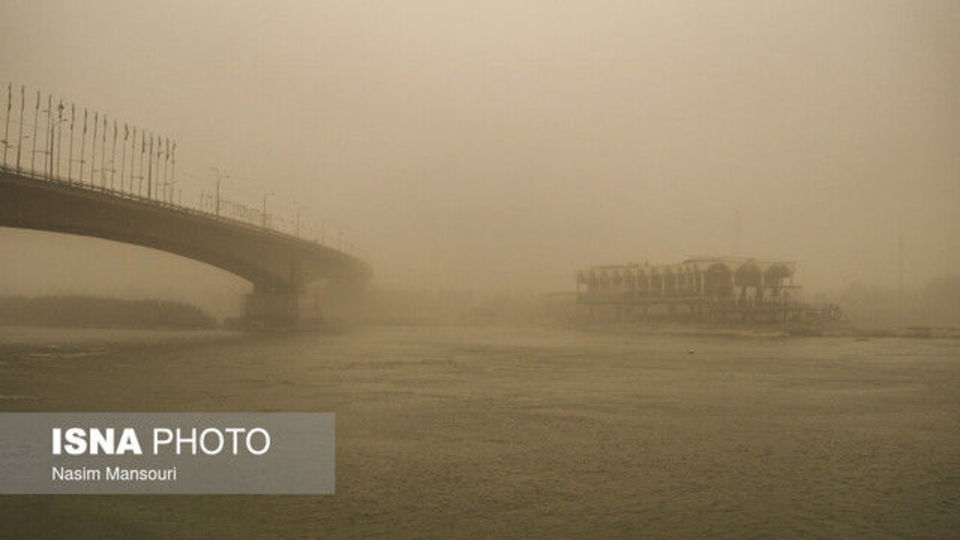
278	265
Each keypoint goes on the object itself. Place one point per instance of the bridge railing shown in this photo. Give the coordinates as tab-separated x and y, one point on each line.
51	140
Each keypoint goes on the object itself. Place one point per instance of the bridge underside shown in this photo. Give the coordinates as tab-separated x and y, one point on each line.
278	265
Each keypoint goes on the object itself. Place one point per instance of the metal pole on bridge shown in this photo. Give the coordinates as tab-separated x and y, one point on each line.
83	144
113	157
48	143
36	118
51	138
264	212
123	153
73	114
216	171
20	131
143	148
59	135
166	170
161	174
103	154
163	168
133	160
161	184
163	188
54	142
168	158
150	169
6	128
93	147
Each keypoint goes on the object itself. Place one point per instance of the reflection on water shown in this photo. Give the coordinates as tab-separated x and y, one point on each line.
530	432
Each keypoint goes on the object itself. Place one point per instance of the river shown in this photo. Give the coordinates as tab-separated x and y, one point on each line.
528	432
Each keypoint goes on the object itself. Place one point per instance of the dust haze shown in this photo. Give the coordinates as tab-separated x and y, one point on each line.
502	145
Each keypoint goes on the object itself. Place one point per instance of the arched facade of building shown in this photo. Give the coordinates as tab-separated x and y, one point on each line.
724	280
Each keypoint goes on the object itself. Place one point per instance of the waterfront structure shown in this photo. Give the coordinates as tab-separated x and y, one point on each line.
708	288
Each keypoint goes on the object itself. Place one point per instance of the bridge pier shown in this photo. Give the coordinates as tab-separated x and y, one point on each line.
287	310
271	309
282	309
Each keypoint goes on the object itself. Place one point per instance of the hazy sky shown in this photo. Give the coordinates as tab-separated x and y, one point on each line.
505	144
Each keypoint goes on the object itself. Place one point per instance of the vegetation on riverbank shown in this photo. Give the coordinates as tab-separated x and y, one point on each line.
100	312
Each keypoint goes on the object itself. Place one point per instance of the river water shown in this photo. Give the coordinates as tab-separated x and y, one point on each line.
529	432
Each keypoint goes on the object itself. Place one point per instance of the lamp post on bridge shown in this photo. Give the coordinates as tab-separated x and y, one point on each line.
219	178
55	141
299	208
59	129
264	211
6	129
169	188
20	131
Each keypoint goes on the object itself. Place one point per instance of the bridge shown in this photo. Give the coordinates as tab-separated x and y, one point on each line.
68	193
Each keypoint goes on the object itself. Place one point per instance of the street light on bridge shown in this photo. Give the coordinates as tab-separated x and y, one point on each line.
169	188
219	178
264	211
299	208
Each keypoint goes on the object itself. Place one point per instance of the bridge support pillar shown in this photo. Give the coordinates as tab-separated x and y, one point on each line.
283	309
272	309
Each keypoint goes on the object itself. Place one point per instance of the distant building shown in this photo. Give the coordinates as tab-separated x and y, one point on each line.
711	288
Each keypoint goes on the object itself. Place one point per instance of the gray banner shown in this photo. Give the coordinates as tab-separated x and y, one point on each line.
154	453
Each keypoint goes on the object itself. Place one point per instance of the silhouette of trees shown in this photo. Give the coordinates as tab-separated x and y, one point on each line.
90	311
